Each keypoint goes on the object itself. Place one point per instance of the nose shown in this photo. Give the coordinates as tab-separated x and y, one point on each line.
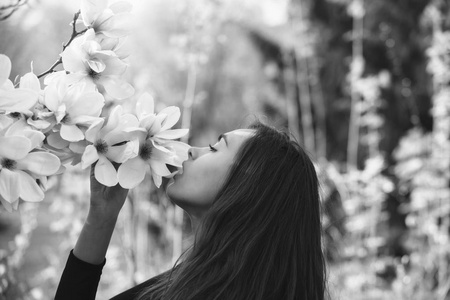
195	152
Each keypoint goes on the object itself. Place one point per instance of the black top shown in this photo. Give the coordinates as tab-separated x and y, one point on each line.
80	281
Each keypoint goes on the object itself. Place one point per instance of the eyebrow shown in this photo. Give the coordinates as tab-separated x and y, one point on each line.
223	136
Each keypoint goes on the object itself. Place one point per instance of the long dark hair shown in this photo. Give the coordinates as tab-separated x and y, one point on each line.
261	238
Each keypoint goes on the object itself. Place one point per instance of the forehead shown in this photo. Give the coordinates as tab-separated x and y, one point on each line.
238	136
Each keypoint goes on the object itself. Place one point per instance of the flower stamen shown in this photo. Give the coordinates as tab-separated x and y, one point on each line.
8	164
94	75
66	119
15	115
101	146
146	151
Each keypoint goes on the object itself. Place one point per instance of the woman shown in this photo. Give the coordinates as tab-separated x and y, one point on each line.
254	205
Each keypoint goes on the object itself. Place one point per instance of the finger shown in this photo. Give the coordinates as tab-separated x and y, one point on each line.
92	170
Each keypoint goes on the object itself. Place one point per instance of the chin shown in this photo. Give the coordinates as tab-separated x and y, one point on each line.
170	189
173	192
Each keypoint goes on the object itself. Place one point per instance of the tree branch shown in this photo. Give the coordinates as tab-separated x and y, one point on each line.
75	33
11	8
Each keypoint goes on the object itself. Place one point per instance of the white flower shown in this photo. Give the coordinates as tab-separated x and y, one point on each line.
87	62
20	166
41	118
115	142
74	109
113	21
11	99
118	45
156	148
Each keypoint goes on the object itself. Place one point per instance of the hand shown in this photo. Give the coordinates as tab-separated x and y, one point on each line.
106	201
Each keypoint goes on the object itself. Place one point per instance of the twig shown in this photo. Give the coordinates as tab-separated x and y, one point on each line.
10	14
75	33
13	7
5	7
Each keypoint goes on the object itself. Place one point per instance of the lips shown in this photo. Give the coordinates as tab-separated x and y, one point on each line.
177	172
180	170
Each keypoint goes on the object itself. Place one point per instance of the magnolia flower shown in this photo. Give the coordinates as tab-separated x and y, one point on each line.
74	109
11	99
87	62
118	45
113	142
21	128
113	21
20	166
41	118
66	155
155	146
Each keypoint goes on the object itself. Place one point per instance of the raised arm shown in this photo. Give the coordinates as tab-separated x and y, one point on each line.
83	269
105	205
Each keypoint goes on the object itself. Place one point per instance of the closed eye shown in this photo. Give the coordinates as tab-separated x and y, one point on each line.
212	148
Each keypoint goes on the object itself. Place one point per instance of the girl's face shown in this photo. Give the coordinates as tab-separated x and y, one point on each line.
205	171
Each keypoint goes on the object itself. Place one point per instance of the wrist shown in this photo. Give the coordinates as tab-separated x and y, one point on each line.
100	218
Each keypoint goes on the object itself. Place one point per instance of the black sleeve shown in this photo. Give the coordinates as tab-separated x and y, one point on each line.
79	280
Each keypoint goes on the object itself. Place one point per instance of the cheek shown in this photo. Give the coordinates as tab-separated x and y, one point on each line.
199	186
195	188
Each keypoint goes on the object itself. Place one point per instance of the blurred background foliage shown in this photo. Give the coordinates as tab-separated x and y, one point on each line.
363	84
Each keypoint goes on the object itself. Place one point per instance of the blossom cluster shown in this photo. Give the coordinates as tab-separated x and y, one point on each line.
43	129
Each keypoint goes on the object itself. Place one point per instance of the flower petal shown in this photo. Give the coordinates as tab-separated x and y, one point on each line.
122	132
105	173
51	97
18	100
113	120
5	68
161	149
159	168
85	121
56	141
121	7
21	128
78	147
132	172
71	133
145	105
172	134
36	138
89	104
124	152
9	185
5	121
30	81
181	149
114	67
14	147
39	163
97	65
74	58
29	189
93	130
173	115
117	87
90	9
129	120
39	124
10	207
117	26
89	157
157	179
